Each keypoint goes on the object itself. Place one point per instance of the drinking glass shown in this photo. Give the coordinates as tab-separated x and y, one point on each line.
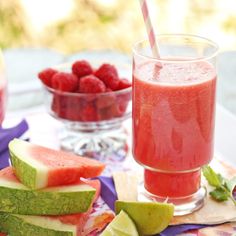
2	89
173	118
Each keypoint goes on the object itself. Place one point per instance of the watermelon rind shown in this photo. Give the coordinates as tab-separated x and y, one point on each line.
28	174
22	225
17	198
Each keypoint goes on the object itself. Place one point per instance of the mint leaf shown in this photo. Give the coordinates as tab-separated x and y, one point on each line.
230	184
219	194
223	187
213	179
221	178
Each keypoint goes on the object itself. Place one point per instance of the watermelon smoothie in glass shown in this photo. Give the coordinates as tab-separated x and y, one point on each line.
173	118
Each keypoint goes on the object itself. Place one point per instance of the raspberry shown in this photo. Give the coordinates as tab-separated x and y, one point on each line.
82	68
121	108
105	100
108	90
89	113
58	105
65	82
123	84
106	113
115	110
46	76
91	84
66	107
110	112
108	74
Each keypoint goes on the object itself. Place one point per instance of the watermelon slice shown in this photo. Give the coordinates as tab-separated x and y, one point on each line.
22	225
17	198
39	167
80	224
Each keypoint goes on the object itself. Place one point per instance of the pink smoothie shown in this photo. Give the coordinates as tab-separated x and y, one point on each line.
173	123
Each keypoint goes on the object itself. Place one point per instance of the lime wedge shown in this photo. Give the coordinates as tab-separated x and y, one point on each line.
149	217
121	225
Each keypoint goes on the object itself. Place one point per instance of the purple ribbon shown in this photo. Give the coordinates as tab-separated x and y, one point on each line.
178	229
108	192
6	135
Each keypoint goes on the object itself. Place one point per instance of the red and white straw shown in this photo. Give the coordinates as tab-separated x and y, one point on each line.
149	28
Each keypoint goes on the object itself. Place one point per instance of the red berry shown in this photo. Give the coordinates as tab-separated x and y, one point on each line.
123	84
65	82
122	107
67	107
89	113
82	68
91	84
107	68
46	76
108	90
122	101
105	100
109	75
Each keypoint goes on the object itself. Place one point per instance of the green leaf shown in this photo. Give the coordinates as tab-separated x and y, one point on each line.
223	187
221	178
213	179
231	184
219	194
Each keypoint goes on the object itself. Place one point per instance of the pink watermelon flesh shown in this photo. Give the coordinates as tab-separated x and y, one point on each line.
8	174
63	167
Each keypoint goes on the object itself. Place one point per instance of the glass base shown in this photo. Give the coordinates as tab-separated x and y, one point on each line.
183	205
98	144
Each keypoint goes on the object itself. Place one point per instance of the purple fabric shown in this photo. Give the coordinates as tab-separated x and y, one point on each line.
108	192
4	159
178	229
6	135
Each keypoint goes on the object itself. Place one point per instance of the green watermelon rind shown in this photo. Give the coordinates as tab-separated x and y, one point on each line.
38	167
16	225
26	173
45	202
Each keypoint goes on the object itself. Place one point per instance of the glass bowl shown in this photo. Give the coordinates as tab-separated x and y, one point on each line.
92	122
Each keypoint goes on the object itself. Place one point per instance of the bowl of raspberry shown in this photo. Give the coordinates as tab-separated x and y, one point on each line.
92	101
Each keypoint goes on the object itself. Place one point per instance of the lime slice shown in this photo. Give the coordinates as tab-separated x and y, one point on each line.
149	217
121	225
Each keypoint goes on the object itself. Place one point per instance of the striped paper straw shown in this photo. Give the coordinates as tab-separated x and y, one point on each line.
149	28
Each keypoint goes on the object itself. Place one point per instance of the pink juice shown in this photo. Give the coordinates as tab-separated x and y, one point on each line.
173	124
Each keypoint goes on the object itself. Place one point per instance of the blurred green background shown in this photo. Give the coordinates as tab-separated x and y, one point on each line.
73	25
